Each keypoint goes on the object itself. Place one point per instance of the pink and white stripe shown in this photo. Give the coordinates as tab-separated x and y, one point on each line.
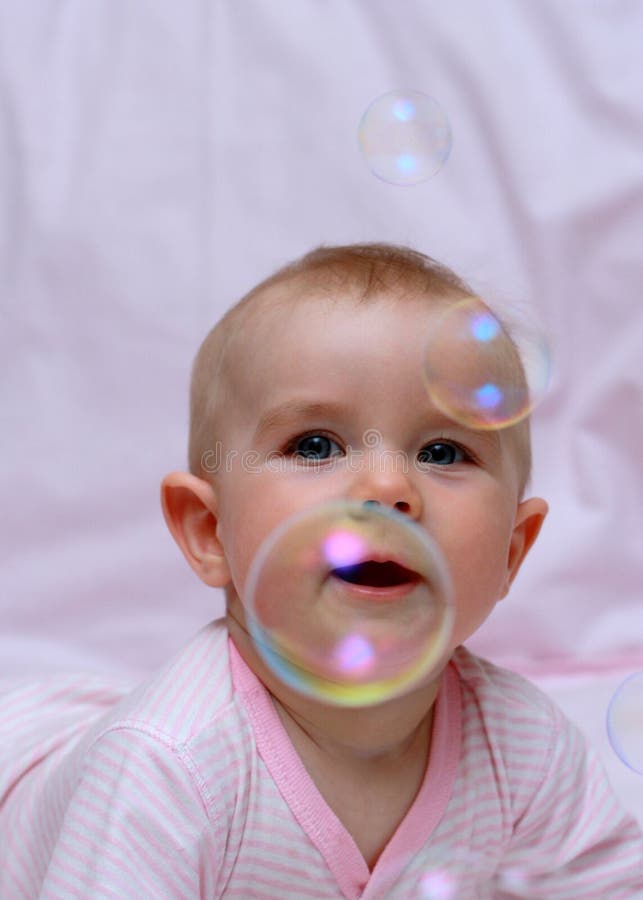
188	787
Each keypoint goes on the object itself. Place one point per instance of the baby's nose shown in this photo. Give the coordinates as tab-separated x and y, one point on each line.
401	505
387	487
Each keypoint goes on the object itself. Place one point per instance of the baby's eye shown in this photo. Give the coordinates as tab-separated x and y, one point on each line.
441	453
314	447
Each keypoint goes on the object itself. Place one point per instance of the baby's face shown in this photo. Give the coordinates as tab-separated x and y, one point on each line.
324	379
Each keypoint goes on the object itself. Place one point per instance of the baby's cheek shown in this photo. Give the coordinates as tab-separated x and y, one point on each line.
477	589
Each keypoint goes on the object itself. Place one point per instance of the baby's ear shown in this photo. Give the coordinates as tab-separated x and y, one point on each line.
529	519
190	510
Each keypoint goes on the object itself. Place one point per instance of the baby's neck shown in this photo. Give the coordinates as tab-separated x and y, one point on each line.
370	739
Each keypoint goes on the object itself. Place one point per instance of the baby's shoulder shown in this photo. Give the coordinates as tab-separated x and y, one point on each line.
514	738
182	725
191	695
512	712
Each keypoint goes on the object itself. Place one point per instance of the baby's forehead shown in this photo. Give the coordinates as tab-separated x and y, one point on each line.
278	308
286	328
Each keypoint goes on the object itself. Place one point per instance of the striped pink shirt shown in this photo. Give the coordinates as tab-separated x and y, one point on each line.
189	787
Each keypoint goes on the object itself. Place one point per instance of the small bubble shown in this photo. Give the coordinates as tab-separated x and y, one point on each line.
625	722
514	879
437	885
404	137
480	374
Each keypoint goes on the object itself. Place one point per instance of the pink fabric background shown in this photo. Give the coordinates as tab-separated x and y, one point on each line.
157	159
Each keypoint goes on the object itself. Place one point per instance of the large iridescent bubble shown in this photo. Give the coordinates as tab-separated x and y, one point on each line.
350	604
481	374
404	137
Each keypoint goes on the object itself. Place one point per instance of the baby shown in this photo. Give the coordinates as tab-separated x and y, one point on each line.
214	778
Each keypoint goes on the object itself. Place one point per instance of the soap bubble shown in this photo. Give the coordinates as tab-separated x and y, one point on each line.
514	879
437	885
479	374
350	604
625	722
405	137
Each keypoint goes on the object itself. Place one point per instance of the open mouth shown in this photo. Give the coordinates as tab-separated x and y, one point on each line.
373	574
